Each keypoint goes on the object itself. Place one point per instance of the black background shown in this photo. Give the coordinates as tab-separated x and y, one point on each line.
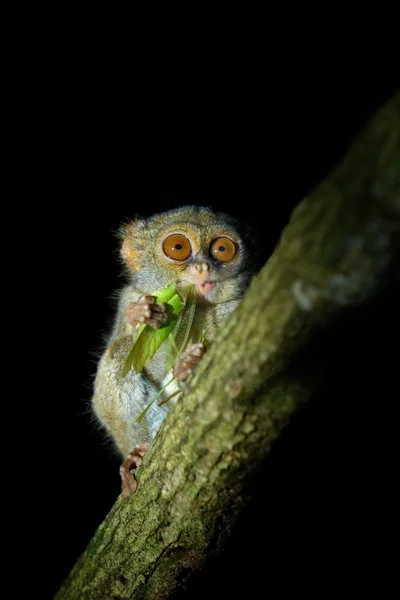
322	511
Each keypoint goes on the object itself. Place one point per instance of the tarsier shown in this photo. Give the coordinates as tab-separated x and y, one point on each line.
191	245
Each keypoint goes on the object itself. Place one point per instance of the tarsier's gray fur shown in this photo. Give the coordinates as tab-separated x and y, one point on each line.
118	401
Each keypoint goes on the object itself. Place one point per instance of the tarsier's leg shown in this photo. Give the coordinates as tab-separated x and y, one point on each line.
183	367
133	461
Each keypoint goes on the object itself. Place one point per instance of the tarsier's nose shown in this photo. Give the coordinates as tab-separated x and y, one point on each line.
199	272
202	267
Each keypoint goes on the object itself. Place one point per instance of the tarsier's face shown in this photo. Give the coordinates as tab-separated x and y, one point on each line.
200	258
188	245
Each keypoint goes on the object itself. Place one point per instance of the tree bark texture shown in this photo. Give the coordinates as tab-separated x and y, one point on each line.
336	252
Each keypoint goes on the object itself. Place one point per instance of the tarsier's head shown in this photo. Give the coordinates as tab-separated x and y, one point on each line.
189	244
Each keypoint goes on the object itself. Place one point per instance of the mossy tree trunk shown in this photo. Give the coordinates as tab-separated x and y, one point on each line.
336	252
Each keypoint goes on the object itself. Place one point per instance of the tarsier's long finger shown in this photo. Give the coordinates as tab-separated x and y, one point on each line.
157	316
133	461
155	323
145	300
128	482
188	361
157	320
161	307
138	312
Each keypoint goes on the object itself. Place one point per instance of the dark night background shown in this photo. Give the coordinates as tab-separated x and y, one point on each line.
322	505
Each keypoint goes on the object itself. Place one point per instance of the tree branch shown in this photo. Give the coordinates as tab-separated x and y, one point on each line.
336	252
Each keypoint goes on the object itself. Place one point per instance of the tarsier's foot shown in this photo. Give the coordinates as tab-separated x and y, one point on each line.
188	361
145	310
133	461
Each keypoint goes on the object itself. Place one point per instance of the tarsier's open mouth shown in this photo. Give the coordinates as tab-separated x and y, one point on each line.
206	287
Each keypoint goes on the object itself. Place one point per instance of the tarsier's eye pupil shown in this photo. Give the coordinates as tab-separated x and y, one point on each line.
223	249
178	246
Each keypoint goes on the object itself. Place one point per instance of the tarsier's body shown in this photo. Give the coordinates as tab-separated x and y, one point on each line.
189	244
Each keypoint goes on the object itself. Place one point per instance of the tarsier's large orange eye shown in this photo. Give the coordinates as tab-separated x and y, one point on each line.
223	249
177	246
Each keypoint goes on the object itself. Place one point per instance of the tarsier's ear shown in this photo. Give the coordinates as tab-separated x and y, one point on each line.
128	252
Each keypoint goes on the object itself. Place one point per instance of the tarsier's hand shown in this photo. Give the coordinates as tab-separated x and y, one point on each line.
145	310
188	361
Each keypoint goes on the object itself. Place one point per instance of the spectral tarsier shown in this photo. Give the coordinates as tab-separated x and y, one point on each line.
187	245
